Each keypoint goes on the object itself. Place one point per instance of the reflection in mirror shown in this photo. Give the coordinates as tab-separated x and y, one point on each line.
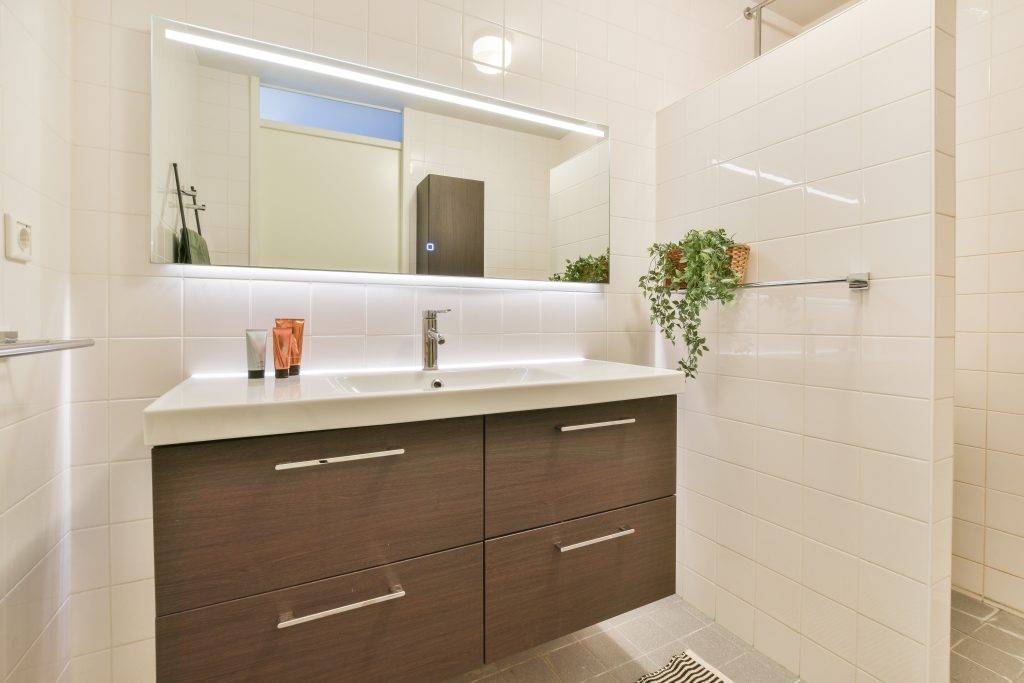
776	21
266	156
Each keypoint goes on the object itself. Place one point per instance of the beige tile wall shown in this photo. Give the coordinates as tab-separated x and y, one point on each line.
988	537
816	457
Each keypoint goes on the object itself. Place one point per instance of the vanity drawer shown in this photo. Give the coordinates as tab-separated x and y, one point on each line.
546	583
545	466
245	516
430	633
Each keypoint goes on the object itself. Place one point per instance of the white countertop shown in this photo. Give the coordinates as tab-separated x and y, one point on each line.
217	407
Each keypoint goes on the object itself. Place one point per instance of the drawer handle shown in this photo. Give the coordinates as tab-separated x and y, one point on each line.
597	425
341	458
623	531
396	592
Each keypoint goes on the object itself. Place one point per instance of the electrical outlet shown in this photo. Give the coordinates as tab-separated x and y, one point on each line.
18	239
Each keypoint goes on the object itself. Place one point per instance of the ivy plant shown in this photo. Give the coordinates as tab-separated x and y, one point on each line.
584	269
685	277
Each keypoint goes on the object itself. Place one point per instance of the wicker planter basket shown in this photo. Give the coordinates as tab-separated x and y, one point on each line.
739	254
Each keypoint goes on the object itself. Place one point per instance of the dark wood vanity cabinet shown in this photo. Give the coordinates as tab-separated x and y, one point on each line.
545	466
411	551
245	516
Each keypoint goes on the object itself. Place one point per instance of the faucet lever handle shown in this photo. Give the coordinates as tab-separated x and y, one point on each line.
432	312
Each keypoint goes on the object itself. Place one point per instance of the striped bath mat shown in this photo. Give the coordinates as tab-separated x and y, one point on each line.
685	668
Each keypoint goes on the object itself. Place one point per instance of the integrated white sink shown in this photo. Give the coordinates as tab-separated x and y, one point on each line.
212	408
440	380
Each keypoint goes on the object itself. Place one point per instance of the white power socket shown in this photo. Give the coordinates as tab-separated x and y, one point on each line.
18	239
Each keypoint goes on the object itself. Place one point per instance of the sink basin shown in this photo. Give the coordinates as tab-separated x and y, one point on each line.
440	380
212	408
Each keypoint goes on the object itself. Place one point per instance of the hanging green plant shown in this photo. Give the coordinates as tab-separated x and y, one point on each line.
685	278
584	269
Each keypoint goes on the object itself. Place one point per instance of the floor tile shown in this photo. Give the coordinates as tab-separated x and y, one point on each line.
713	647
611	648
645	633
754	667
1001	640
989	657
574	664
532	671
964	622
626	673
1009	622
677	620
974	607
661	656
963	670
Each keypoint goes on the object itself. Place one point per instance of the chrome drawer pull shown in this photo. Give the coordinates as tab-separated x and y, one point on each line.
624	531
396	592
597	425
341	458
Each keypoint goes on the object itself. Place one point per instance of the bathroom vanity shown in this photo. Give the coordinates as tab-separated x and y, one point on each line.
379	528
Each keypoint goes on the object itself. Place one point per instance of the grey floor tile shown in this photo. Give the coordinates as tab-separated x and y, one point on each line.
476	675
532	671
677	620
574	664
713	647
754	667
585	633
663	654
625	673
964	622
611	648
1008	622
974	607
990	658
963	670
1002	640
645	633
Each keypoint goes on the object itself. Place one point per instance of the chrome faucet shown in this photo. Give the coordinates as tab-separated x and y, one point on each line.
431	337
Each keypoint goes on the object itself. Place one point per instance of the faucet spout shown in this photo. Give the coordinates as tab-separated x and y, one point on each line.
432	339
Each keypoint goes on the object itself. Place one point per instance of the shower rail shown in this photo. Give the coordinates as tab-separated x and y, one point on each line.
10	346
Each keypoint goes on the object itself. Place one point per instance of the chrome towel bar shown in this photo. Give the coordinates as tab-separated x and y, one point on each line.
854	280
10	346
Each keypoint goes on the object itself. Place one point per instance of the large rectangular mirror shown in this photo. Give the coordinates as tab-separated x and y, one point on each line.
272	157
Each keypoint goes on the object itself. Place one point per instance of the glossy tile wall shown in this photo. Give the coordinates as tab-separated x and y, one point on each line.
35	484
514	168
988	508
610	61
578	190
816	457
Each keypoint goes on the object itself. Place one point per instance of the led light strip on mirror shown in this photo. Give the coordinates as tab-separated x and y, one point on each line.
378	81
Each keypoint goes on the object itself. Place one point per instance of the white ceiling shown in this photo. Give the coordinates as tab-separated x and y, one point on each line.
804	12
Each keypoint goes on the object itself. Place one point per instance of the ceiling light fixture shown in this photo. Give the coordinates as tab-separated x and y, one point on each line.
491	54
378	81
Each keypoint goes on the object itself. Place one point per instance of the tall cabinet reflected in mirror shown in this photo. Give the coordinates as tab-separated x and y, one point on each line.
292	160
